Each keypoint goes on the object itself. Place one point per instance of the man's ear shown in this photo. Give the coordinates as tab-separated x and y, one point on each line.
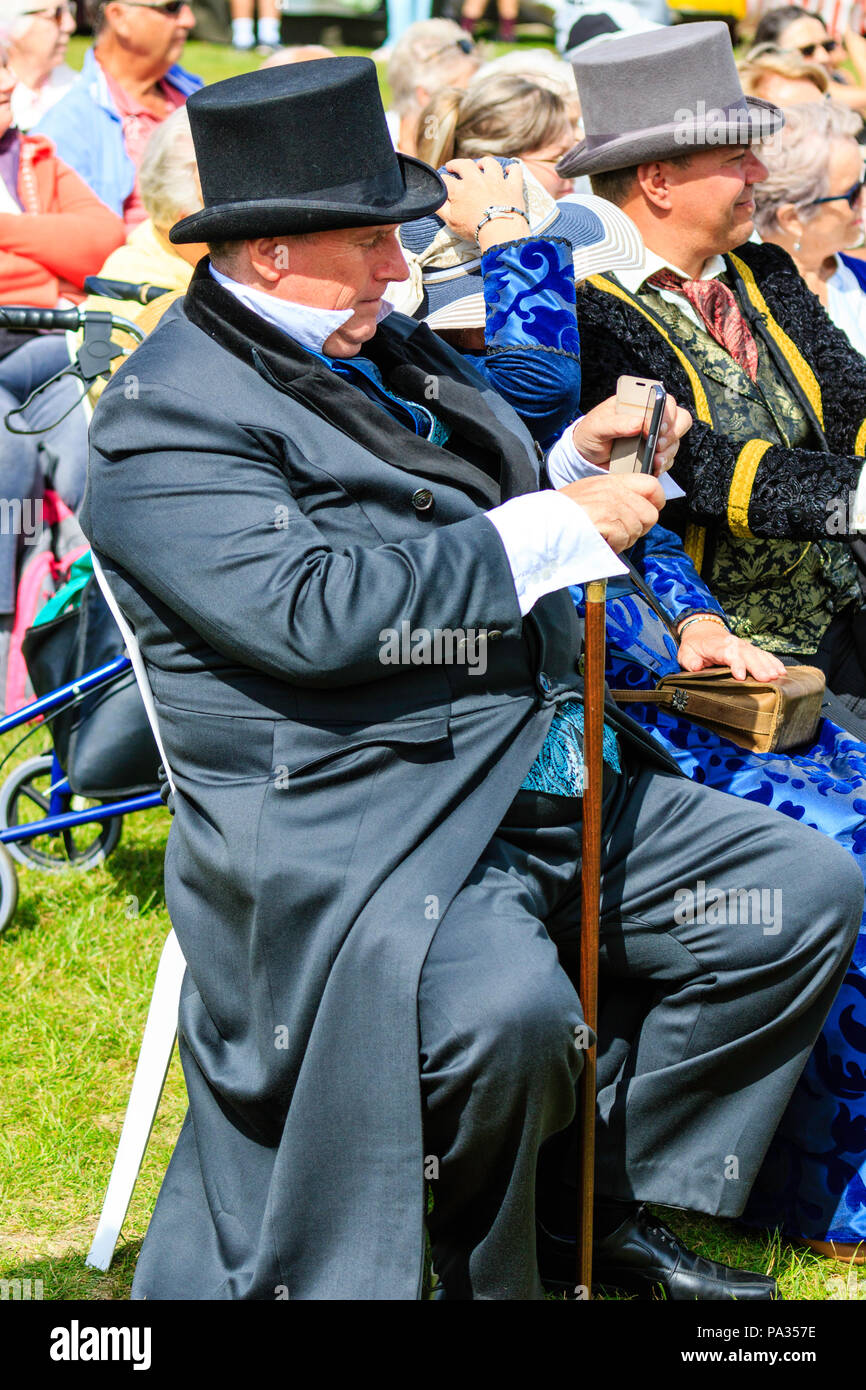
269	257
116	14
654	183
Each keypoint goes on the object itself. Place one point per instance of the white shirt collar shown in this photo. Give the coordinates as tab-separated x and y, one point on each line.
309	327
632	280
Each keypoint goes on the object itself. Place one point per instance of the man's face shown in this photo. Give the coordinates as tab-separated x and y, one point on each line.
346	269
711	198
149	31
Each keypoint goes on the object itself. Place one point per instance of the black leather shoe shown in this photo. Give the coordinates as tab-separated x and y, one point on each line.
642	1257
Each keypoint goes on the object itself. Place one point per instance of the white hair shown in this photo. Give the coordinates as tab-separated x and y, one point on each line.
426	55
797	159
14	19
167	176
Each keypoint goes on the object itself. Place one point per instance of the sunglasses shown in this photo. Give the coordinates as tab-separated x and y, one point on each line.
464	45
167	7
809	50
850	197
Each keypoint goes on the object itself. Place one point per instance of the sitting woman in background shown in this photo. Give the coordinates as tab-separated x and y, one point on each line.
53	233
797	31
811	204
36	41
430	55
504	114
780	77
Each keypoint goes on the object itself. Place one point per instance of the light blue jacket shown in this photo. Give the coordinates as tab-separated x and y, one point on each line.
86	128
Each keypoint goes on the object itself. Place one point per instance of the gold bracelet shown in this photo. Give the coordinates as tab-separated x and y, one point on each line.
701	618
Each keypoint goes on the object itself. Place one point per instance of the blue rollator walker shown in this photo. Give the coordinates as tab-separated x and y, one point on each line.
64	808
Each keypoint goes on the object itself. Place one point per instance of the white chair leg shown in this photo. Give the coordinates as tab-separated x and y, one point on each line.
153	1062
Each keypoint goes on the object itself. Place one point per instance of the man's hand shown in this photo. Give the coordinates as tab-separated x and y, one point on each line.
474	186
708	644
622	508
594	434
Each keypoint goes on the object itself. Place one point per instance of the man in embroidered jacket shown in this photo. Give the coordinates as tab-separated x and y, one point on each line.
773	467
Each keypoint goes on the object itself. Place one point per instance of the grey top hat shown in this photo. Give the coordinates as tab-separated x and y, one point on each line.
658	95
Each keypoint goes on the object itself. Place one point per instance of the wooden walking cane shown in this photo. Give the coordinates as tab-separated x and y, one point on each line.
590	871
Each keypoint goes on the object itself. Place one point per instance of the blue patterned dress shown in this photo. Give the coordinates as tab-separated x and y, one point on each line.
813	1180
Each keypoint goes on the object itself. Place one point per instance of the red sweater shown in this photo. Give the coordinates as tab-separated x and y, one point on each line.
64	234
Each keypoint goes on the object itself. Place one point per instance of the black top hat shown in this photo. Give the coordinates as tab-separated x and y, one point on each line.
653	96
300	148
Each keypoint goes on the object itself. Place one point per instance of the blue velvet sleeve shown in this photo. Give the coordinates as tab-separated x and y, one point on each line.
671	577
532	355
637	640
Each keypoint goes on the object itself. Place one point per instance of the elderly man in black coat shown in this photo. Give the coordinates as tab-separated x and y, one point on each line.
347	577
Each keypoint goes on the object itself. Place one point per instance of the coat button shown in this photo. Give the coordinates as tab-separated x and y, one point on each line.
494	634
544	683
422	500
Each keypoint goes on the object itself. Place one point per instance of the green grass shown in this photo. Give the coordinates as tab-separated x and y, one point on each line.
76	973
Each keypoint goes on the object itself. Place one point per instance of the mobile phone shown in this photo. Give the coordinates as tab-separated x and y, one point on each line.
635	453
652	423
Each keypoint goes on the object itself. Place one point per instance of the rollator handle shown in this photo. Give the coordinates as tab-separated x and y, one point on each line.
28	318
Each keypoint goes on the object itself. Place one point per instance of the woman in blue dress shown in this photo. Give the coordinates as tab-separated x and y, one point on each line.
813	1181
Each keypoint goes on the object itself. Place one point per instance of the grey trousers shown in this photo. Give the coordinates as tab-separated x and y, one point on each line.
726	931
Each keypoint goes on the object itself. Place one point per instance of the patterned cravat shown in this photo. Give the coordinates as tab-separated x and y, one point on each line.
719	310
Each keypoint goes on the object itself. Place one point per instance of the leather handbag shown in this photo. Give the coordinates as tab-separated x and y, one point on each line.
762	716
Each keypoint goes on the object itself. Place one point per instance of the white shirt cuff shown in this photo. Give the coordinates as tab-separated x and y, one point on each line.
566	464
551	543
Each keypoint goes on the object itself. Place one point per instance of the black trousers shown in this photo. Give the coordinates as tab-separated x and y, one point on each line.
714	918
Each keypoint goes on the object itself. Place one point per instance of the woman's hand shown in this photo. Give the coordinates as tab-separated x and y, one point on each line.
477	184
594	434
708	644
